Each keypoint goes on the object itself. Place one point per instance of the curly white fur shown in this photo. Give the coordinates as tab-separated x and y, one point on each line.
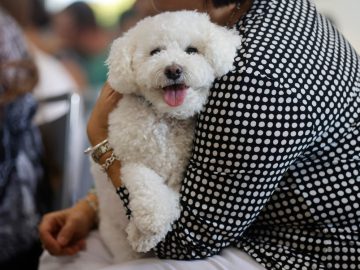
151	138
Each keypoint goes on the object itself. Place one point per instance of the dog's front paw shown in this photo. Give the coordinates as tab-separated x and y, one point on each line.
154	205
141	242
155	215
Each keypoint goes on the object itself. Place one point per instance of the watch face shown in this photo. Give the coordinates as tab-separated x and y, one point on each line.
99	151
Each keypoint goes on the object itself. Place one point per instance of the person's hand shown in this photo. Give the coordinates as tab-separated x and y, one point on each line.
63	232
97	127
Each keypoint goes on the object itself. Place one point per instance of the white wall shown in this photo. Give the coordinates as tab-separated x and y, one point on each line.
346	15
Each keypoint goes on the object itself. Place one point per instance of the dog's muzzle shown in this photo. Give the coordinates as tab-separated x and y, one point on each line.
173	72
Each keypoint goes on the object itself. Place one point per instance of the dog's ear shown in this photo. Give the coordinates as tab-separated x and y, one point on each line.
221	48
121	75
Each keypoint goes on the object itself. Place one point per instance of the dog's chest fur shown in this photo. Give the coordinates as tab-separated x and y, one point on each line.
139	135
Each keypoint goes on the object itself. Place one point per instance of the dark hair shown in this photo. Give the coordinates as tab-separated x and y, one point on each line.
27	12
82	15
221	3
39	15
18	11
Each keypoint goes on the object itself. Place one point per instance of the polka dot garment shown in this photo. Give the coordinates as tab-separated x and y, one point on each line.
276	156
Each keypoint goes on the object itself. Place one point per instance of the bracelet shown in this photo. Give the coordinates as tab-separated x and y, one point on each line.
93	205
92	191
91	149
109	161
98	150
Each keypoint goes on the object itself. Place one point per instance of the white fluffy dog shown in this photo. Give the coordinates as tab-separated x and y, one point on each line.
164	67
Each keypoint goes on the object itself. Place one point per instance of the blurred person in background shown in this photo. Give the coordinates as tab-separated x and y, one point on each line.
140	10
84	40
55	81
54	78
34	20
20	151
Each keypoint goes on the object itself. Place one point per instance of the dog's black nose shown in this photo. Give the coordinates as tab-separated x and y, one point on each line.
173	72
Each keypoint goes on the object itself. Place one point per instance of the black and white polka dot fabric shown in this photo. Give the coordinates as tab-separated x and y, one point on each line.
275	169
123	193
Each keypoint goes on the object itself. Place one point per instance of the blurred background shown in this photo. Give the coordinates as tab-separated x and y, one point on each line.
69	42
345	15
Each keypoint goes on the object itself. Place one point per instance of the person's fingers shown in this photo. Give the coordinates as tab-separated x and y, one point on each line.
70	251
66	233
47	229
73	248
97	124
81	244
110	96
52	246
107	89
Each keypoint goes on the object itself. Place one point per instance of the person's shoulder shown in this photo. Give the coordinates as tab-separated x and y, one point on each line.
8	24
12	41
272	32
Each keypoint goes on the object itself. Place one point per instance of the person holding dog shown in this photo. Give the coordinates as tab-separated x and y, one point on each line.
273	181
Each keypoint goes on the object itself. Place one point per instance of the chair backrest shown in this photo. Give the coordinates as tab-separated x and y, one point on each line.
63	141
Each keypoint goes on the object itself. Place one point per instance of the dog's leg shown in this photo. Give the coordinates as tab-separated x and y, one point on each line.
154	206
112	218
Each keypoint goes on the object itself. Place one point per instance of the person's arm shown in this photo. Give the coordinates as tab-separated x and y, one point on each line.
245	141
97	128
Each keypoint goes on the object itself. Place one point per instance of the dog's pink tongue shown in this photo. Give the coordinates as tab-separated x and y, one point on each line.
174	95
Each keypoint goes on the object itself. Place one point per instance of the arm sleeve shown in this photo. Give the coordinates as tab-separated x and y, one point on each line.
250	132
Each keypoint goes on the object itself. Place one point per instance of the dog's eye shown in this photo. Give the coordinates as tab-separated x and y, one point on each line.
191	50
155	51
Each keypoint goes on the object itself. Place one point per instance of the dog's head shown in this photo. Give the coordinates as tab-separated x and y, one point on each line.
172	60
